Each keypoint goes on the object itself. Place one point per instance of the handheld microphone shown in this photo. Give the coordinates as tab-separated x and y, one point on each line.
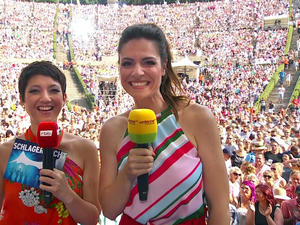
47	138
142	129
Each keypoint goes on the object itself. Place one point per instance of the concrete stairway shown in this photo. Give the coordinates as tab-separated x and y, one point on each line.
274	96
74	92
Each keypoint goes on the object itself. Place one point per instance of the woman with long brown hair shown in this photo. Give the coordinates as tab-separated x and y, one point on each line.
184	162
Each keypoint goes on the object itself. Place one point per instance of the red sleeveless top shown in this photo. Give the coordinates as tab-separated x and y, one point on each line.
25	205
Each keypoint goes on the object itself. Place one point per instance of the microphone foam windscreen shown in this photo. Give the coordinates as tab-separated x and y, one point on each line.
47	134
142	126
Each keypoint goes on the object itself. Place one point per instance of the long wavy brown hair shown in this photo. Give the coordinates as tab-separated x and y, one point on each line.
170	86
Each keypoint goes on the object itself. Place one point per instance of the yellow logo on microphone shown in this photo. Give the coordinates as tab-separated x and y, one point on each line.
142	125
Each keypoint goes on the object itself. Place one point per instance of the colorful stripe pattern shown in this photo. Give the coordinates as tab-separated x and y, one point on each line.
175	182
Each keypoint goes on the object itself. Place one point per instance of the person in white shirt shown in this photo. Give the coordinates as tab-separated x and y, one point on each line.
288	79
235	175
260	165
281	91
227	157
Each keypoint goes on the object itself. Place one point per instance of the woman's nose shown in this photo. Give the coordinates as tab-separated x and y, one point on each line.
46	96
138	69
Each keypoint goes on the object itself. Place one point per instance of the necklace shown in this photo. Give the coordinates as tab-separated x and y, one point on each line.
261	208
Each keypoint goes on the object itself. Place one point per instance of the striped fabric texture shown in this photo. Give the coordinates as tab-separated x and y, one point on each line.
175	182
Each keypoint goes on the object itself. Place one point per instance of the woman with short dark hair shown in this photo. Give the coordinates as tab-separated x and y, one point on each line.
74	187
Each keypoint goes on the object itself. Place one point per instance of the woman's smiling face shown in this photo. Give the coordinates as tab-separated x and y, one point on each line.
43	99
246	191
141	69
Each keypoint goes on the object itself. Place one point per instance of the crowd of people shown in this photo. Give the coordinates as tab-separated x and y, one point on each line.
229	25
26	30
237	58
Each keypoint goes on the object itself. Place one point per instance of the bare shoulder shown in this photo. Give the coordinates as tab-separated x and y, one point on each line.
77	141
195	115
7	145
80	150
116	123
113	130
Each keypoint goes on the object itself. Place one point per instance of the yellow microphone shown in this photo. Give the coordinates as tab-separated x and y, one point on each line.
142	126
142	129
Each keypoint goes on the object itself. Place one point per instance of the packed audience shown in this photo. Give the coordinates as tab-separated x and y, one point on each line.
26	30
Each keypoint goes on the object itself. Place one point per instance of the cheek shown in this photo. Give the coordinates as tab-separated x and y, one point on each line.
28	102
123	76
124	84
257	195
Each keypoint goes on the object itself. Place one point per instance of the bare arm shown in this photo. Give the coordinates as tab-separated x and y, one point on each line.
250	216
216	186
84	210
278	218
115	187
1	188
5	150
283	183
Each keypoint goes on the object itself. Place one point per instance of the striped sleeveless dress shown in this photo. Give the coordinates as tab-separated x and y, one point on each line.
175	183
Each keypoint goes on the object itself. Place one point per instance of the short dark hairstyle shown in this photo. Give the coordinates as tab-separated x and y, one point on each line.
8	133
294	148
45	68
170	86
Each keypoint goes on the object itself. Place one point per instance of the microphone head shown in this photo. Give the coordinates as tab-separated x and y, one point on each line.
47	134
142	126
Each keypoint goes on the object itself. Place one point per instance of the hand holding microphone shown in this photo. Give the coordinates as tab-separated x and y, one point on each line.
142	129
47	137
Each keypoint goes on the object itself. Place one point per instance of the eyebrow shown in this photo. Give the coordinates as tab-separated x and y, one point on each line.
51	86
126	58
143	59
150	57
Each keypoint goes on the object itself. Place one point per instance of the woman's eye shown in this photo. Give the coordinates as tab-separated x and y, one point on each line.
150	62
126	63
33	91
55	90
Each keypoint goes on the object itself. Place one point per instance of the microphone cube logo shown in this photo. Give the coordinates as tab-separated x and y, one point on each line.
25	162
46	133
147	122
132	122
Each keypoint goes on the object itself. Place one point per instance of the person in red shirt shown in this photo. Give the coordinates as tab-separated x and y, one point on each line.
291	209
295	178
296	103
286	63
